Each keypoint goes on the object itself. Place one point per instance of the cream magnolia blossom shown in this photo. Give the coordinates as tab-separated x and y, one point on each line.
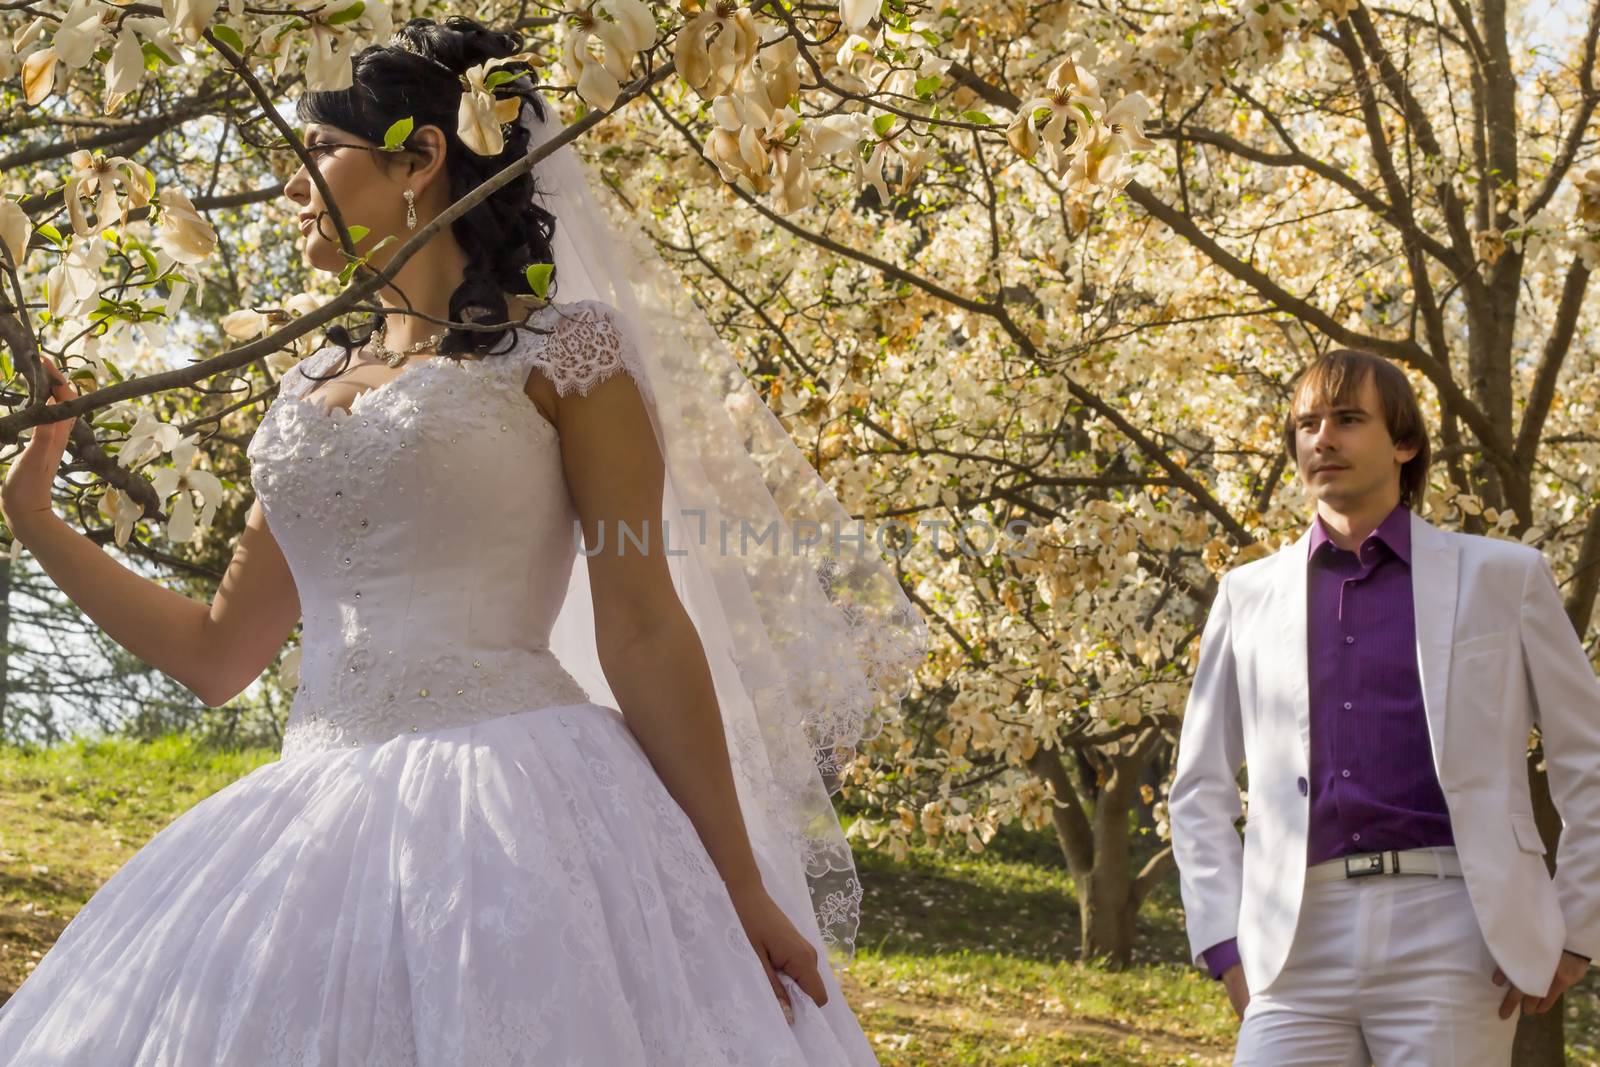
244	324
187	482
335	32
73	41
188	18
1103	138
125	69
599	53
96	177
776	72
184	234
1588	183
73	284
857	15
120	510
148	438
482	113
1071	95
900	149
15	230
715	48
338	31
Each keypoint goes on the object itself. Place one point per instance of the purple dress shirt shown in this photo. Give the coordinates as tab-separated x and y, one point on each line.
1373	785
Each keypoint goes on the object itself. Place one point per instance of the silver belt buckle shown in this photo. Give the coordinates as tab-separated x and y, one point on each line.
1363	864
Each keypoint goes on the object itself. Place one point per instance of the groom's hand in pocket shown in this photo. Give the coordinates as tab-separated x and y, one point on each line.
1238	991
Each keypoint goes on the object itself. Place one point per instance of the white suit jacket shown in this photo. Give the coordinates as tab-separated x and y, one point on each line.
1495	654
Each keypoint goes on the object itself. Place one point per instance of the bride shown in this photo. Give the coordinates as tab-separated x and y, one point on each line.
536	804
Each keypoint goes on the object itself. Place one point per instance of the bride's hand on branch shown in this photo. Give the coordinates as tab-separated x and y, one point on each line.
26	493
779	947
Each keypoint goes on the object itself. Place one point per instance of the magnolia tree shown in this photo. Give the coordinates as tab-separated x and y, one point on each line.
1029	282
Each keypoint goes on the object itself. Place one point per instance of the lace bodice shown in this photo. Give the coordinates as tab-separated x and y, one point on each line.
430	533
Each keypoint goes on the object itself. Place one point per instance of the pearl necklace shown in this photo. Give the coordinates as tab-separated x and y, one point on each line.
393	358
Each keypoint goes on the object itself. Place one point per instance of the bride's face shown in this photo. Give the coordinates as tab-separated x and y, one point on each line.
368	189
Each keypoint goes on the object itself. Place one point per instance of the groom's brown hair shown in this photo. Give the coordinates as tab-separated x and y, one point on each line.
1335	378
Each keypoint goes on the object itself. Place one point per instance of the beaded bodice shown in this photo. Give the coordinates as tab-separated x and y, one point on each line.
430	533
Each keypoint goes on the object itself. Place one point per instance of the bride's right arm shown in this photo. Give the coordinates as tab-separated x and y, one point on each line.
213	651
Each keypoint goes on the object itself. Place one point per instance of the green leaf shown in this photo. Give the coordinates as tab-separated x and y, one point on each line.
978	117
228	36
154	57
49	230
539	278
926	87
882	124
500	77
349	14
357	233
395	136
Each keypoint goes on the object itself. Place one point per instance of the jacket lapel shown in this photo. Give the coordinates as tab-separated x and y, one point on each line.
1435	570
1291	614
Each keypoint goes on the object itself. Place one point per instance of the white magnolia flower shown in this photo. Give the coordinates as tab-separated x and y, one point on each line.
38	75
244	324
73	42
178	478
148	439
184	234
1588	184
338	31
118	508
835	133
1071	95
188	17
599	53
95	175
482	113
124	70
79	33
857	14
74	283
715	48
779	76
15	229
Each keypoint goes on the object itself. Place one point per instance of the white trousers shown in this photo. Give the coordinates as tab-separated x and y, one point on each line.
1385	970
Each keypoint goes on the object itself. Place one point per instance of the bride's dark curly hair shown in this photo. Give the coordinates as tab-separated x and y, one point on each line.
418	75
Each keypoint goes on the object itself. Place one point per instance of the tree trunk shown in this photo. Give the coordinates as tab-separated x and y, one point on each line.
1098	848
1105	893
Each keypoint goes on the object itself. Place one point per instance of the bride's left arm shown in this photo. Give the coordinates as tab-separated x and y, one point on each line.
651	652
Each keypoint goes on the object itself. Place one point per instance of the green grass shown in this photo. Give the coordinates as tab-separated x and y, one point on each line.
962	961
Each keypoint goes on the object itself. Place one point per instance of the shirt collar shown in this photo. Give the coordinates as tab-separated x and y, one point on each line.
1394	531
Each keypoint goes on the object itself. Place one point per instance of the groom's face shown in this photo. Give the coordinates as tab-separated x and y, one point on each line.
1343	449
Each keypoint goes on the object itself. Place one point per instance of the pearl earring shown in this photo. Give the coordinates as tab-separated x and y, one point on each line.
411	209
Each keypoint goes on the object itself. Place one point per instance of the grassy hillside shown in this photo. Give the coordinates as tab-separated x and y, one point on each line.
962	961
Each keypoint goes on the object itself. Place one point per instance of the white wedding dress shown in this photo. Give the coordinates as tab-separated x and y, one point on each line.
459	859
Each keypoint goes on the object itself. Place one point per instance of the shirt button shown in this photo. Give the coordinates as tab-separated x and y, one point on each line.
1348	705
1355	837
1344	774
1305	786
1349	640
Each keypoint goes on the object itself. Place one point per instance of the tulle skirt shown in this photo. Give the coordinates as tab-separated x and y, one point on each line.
521	890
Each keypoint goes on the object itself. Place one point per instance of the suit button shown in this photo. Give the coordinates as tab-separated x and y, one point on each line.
1305	787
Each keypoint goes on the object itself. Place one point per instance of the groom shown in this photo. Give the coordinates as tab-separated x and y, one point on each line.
1390	901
